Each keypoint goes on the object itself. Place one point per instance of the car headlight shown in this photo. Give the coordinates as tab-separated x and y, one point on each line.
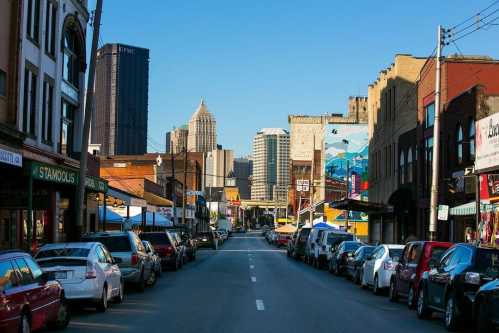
472	278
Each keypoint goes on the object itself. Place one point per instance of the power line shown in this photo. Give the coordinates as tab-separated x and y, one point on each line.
486	24
475	15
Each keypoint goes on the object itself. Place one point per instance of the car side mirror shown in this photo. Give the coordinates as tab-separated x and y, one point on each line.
117	260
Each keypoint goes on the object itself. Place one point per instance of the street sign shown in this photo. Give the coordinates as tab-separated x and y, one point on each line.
302	185
190	193
443	212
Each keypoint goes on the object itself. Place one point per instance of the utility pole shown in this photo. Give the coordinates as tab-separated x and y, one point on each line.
184	188
312	187
172	187
436	140
347	180
89	106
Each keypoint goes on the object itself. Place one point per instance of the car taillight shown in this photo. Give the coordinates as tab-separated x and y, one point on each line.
90	272
135	259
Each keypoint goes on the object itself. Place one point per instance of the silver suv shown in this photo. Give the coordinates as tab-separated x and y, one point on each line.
125	246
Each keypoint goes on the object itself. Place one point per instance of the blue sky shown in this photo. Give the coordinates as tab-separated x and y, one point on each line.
257	61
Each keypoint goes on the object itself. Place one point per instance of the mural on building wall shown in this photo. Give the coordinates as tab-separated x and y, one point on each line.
346	152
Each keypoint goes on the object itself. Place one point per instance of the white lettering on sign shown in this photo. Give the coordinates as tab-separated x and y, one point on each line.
11	158
57	175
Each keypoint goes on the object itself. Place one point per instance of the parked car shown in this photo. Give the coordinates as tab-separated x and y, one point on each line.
179	244
126	245
355	262
379	267
282	238
224	234
219	238
413	263
312	244
155	260
486	307
29	300
339	260
188	241
164	245
451	285
207	239
86	271
328	240
300	242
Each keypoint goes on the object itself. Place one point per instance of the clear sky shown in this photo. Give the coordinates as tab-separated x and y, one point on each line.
257	61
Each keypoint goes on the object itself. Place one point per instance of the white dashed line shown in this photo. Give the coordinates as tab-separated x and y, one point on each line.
252	266
253	279
259	305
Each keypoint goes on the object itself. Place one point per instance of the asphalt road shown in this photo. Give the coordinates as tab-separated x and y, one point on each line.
249	286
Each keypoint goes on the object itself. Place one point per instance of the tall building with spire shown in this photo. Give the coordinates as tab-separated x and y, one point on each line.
202	135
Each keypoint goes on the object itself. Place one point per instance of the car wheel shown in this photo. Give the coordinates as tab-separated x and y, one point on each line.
410	298
376	289
63	316
451	316
152	278
422	309
483	323
24	324
392	294
119	298
102	303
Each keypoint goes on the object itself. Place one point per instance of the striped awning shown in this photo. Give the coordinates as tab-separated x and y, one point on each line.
469	209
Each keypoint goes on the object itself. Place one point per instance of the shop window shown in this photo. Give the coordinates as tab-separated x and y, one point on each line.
429	115
471	138
459	144
401	167
409	165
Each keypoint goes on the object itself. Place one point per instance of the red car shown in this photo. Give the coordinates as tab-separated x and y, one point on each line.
415	260
28	300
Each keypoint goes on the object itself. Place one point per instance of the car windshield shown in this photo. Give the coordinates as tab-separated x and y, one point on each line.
63	252
113	243
352	246
395	253
437	252
487	262
335	239
156	238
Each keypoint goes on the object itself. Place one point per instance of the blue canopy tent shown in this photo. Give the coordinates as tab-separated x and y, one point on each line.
323	225
111	217
160	220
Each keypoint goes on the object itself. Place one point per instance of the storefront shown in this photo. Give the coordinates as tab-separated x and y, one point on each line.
37	204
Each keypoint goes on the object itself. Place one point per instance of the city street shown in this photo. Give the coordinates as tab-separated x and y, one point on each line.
249	286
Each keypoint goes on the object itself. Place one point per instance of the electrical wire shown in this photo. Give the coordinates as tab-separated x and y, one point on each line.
475	15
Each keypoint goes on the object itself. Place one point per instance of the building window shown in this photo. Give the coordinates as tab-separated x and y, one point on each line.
459	144
47	110
409	165
429	115
70	70
3	83
66	139
50	27
29	97
401	167
471	138
33	20
428	161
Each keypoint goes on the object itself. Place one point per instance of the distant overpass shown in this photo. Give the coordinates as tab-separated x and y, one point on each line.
245	204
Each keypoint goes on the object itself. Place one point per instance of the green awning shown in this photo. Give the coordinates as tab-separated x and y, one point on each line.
469	209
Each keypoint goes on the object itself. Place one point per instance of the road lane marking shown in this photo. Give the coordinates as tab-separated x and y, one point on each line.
253	279
252	266
259	305
90	325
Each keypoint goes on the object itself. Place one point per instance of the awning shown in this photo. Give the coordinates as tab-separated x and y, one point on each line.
159	220
469	209
128	199
111	217
156	200
286	229
360	206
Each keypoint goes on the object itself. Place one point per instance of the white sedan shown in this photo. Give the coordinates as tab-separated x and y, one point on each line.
87	272
380	265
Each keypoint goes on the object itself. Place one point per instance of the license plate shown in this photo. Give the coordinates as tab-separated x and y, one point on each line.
60	275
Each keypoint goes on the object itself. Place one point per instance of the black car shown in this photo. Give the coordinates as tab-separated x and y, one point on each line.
188	241
486	307
301	242
353	269
207	239
338	262
451	284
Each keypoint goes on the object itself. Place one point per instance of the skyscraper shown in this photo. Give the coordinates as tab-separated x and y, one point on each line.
243	168
270	164
178	139
121	100
219	163
202	130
